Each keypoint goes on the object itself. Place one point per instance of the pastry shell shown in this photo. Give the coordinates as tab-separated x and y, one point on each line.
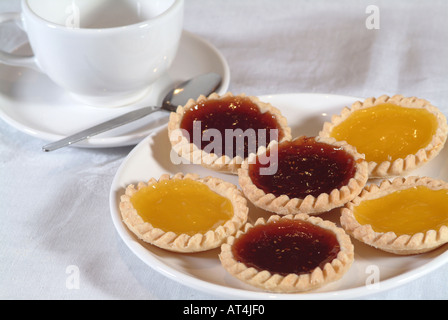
398	167
291	283
192	154
389	241
312	205
182	242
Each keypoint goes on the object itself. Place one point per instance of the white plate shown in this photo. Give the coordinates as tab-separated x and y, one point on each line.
306	114
33	104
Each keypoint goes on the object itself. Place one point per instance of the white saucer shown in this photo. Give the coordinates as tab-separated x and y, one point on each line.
33	104
306	114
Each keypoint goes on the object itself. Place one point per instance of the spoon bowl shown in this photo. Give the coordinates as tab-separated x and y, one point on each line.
193	88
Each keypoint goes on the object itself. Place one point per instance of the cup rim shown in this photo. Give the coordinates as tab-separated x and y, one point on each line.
146	23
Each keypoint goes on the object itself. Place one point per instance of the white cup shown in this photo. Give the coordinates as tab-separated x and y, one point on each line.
105	53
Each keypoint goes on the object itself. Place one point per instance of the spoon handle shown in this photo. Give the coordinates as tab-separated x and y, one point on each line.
105	126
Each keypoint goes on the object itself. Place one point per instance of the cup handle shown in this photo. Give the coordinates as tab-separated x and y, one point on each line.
12	59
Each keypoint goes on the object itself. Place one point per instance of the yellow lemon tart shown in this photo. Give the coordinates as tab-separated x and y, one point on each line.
184	213
306	175
403	216
292	253
219	132
396	134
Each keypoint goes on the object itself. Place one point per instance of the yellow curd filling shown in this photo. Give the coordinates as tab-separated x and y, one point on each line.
387	132
408	211
182	206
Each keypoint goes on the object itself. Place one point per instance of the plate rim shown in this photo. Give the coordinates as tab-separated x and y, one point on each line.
120	140
219	290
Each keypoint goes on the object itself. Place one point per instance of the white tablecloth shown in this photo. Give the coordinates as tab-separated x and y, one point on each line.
54	207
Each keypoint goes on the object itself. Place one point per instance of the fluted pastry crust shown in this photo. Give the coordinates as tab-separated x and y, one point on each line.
273	282
399	166
192	154
389	241
183	242
311	205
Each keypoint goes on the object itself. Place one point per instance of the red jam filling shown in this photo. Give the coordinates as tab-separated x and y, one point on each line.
286	246
237	121
304	167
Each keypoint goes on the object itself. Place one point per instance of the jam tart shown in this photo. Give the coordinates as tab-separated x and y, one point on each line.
396	134
309	175
218	132
404	216
184	213
287	254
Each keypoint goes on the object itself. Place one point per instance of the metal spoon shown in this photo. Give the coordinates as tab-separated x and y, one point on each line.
179	95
